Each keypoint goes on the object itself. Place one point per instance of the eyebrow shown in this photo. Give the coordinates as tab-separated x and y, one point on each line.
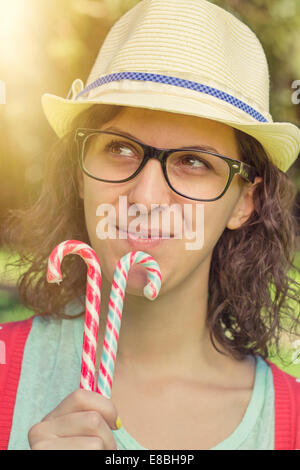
196	147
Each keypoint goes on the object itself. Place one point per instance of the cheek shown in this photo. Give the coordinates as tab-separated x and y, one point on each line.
90	206
214	224
216	216
94	195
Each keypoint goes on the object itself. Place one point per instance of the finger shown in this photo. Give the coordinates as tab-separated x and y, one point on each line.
84	400
81	423
70	443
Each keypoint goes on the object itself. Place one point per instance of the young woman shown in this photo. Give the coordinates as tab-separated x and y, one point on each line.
175	112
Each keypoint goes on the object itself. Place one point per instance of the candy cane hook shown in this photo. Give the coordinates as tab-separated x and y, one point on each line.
116	300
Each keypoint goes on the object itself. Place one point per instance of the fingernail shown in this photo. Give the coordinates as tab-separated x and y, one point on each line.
118	423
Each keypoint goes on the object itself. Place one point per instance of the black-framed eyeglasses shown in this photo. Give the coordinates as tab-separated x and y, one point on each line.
196	174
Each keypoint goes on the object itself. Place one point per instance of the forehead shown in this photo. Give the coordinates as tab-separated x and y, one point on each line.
164	129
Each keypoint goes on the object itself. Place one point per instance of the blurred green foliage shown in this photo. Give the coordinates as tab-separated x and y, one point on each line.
277	25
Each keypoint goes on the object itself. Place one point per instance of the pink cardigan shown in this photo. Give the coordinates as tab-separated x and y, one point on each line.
13	338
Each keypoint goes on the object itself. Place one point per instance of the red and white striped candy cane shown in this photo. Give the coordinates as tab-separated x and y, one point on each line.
92	305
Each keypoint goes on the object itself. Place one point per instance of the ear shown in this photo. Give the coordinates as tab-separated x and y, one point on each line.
80	184
244	207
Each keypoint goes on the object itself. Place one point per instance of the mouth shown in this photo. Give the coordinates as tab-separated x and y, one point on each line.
145	235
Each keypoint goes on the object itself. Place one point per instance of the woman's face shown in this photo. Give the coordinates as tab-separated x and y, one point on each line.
177	263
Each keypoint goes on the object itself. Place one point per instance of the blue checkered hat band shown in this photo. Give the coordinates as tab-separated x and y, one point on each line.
175	81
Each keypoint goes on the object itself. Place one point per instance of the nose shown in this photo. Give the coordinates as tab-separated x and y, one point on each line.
149	186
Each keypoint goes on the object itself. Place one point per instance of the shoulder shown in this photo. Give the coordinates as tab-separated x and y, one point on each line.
13	337
16	325
286	385
287	408
283	379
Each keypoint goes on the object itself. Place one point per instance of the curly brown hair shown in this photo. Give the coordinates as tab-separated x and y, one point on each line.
252	292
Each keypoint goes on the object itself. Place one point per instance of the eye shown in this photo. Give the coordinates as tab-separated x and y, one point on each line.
193	161
121	148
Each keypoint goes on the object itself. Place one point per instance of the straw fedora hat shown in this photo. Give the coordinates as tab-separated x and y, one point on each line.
188	57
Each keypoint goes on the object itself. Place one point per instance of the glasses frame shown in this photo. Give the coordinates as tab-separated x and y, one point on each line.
236	167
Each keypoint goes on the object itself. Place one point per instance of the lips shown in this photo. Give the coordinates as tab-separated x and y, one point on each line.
145	235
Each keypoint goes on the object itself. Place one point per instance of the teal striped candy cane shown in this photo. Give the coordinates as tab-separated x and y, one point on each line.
116	300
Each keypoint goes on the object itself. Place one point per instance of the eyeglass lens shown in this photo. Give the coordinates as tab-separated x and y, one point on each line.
194	174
